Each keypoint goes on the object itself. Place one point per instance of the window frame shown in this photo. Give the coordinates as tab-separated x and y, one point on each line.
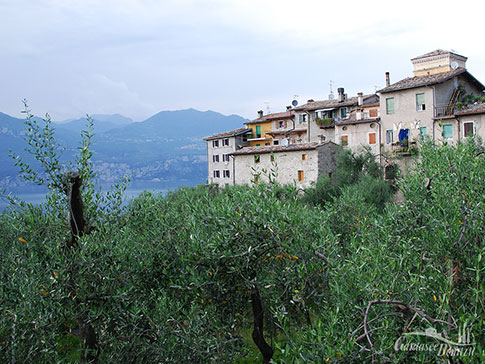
445	127
217	173
418	104
369	137
215	158
346	136
226	173
473	129
215	143
225	142
391	133
390	102
301	175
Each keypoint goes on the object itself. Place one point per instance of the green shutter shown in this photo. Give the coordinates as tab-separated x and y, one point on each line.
420	99
448	131
258	131
422	131
390	105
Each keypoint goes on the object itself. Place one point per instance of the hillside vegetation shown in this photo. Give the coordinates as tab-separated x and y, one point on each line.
251	273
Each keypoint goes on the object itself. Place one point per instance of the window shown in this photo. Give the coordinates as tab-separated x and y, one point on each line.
258	131
215	143
302	118
281	124
276	142
344	140
225	142
303	157
258	145
420	105
266	144
343	112
390	105
217	174
257	158
301	176
448	131
389	137
225	157
422	132
215	158
372	138
226	173
468	129
373	113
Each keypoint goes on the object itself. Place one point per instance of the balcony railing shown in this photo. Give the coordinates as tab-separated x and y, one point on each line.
442	111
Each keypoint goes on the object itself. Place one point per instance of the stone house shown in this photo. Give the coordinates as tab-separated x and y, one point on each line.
424	105
220	163
300	164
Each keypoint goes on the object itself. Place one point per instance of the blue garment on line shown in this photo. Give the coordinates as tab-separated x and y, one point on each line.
403	134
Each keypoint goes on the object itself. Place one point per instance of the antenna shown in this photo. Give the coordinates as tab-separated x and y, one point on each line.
331	96
268	110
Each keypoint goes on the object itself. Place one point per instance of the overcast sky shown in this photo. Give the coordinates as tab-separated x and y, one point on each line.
136	58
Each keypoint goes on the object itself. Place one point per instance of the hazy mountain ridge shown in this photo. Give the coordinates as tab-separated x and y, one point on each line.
166	148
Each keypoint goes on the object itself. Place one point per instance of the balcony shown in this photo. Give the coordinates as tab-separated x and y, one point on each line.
405	148
443	111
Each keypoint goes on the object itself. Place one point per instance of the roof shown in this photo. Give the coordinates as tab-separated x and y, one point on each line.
478	108
278	115
328	104
278	148
227	134
354	122
429	80
437	52
286	132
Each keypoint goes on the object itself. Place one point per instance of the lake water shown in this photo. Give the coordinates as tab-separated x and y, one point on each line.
37	198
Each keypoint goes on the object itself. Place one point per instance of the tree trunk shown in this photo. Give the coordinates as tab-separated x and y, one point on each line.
258	336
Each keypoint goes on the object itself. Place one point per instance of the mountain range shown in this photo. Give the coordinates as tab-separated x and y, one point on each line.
166	150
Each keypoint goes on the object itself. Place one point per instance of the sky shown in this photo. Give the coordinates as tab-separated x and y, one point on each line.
139	57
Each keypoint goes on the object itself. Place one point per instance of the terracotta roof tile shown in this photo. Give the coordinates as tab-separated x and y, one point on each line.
428	80
437	52
227	134
273	116
276	148
328	104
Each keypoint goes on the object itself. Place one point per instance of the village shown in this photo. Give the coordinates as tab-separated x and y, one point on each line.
441	101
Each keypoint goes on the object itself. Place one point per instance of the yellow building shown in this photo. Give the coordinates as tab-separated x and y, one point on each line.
263	127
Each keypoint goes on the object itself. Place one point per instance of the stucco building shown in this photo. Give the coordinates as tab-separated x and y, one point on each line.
300	163
220	163
424	105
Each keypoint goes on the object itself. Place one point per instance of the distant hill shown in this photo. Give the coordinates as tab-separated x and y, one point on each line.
102	123
166	148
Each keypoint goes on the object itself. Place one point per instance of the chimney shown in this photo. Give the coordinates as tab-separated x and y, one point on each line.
288	108
341	95
310	101
260	114
360	98
388	80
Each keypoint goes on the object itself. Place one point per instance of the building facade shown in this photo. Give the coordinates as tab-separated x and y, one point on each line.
300	164
220	163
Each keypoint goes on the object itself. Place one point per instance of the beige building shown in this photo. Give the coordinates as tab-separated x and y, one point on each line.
220	163
299	164
424	105
324	116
